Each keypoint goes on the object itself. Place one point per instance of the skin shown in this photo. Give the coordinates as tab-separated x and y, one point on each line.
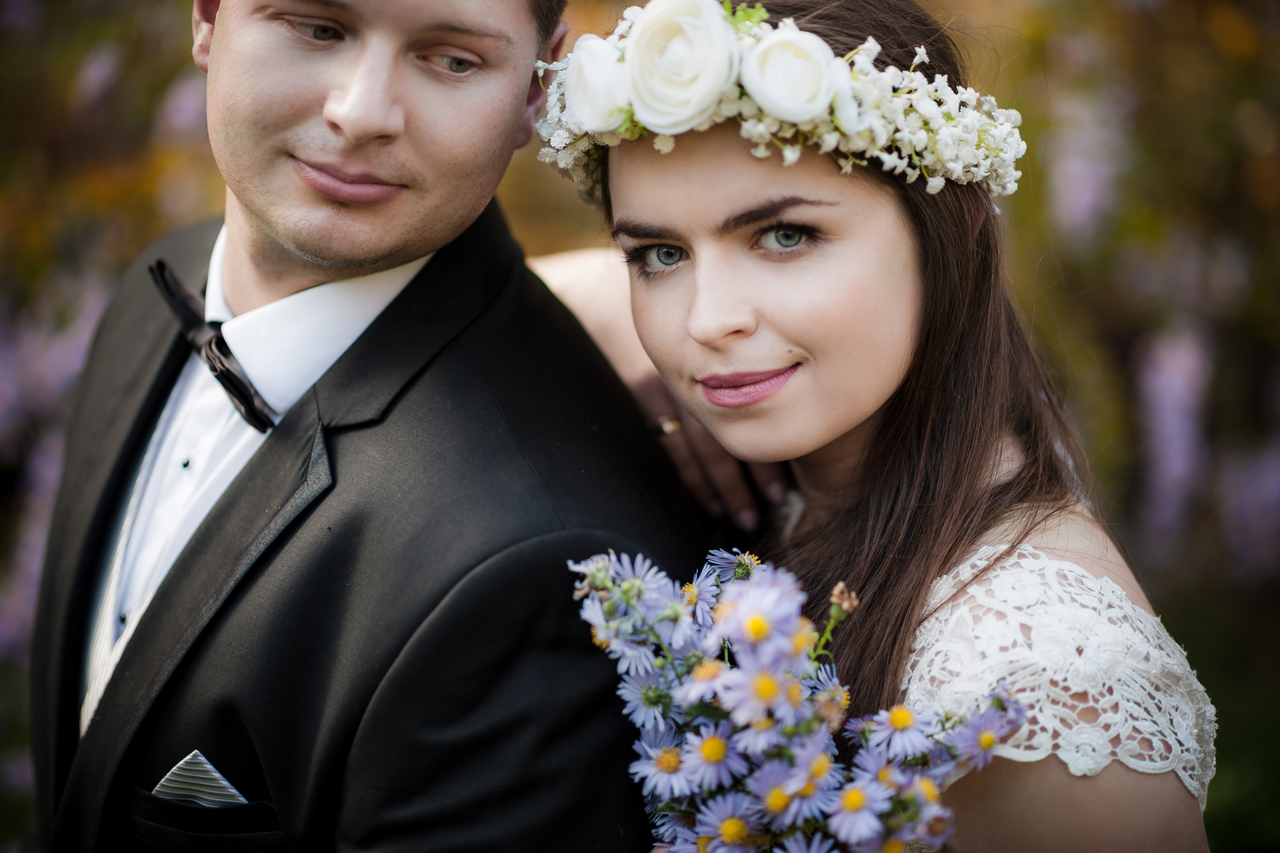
842	304
712	293
430	100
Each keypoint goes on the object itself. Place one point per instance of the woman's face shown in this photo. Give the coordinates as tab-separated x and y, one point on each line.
780	304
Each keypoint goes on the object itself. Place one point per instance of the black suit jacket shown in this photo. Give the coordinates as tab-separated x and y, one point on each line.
372	635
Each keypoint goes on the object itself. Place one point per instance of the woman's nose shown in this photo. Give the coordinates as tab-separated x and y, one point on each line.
720	309
365	106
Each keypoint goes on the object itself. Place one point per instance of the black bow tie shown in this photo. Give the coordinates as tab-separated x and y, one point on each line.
206	339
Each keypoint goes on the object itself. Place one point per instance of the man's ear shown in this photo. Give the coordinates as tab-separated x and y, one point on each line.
537	95
203	13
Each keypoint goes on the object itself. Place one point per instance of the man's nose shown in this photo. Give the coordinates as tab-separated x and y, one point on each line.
365	105
719	311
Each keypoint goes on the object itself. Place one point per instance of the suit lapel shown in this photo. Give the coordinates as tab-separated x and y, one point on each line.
135	359
288	473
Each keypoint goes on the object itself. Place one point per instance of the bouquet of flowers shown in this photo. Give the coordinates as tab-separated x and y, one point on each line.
738	715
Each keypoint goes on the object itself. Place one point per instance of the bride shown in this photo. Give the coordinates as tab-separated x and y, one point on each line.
815	289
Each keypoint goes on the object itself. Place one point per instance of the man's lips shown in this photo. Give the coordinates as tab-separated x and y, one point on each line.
742	389
349	187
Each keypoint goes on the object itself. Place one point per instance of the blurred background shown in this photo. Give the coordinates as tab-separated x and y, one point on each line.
1144	243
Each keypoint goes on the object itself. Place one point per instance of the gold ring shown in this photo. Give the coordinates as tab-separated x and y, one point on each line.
667	425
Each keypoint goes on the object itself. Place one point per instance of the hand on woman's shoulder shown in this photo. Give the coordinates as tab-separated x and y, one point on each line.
1108	759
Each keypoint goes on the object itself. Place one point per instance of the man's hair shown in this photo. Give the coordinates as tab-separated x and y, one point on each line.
546	14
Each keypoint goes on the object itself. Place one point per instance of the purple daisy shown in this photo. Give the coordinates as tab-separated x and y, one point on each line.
731	822
710	759
854	815
903	732
659	765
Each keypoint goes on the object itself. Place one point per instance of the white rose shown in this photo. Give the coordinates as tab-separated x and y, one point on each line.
595	89
681	57
791	75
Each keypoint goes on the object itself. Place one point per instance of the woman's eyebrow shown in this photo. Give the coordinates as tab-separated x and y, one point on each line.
768	210
640	231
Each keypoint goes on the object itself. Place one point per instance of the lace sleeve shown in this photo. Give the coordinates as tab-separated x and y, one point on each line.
1101	678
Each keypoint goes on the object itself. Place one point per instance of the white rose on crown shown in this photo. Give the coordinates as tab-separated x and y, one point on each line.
595	86
681	56
792	74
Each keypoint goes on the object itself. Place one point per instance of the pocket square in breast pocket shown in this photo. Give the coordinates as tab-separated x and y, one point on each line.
196	780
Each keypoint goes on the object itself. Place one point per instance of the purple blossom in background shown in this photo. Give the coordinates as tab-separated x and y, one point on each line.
19	15
98	72
1248	500
18	592
1084	154
180	118
1173	371
39	365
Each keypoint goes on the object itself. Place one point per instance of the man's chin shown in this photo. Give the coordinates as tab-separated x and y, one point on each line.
340	243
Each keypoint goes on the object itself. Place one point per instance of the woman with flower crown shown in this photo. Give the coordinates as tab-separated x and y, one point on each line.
803	193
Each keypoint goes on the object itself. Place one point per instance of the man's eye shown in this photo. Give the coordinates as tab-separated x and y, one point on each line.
782	238
455	64
663	256
322	32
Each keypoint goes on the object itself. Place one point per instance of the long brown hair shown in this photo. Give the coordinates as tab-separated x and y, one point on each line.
926	493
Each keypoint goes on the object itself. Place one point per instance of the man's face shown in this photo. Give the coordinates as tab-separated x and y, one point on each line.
365	133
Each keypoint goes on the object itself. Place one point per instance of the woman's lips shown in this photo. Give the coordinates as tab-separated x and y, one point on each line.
742	389
359	189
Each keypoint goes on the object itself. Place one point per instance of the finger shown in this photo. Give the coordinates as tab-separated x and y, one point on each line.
657	403
771	479
725	473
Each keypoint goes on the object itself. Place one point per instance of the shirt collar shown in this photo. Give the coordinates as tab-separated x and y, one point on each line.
287	345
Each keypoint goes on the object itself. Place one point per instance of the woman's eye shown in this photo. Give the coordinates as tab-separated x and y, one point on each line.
322	32
656	257
782	238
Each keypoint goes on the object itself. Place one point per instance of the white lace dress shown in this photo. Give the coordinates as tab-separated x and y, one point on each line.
1101	678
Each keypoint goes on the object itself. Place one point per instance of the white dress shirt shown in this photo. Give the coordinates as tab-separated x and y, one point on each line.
201	442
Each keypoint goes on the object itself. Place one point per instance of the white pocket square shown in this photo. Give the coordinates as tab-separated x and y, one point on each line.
195	779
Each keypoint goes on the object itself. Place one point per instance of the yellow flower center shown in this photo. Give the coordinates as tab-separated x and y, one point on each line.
804	637
733	830
704	842
986	739
763	724
764	687
901	718
928	790
668	760
844	698
795	695
893	845
707	670
690	594
853	800
713	749
776	800
807	791
599	639
819	766
885	775
757	627
724	611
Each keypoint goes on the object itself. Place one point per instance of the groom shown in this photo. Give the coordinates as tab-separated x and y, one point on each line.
319	600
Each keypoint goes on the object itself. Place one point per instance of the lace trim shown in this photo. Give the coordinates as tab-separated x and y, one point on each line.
1101	678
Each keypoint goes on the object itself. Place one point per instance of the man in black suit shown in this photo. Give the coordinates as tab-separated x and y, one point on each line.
341	618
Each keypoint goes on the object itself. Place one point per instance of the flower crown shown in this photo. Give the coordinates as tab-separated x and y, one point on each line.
680	65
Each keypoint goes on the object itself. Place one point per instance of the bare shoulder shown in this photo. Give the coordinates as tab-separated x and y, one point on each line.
1040	805
1074	536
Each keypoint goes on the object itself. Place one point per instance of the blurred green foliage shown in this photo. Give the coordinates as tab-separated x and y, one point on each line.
1142	246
